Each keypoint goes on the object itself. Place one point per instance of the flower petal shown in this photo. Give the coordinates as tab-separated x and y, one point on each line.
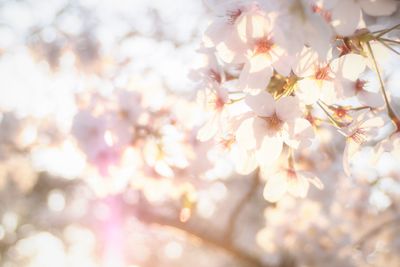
256	73
378	8
253	26
305	62
245	161
251	132
300	133
270	150
276	187
308	91
244	134
297	186
263	104
349	66
371	99
287	108
348	153
210	128
346	16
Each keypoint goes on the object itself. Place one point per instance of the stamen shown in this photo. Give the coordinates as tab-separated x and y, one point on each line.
233	15
340	112
359	136
344	49
263	45
323	73
324	13
215	76
359	85
316	9
218	102
274	123
227	143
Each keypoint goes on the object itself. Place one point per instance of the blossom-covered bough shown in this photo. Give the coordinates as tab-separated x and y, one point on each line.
293	63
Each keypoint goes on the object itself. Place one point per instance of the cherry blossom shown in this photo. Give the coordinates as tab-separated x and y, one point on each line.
347	15
360	131
286	93
264	51
273	124
217	100
223	35
289	181
301	25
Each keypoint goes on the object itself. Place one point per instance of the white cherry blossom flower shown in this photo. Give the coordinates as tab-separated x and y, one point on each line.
301	25
347	14
222	34
318	78
216	101
264	51
291	181
361	130
273	124
358	88
329	81
166	153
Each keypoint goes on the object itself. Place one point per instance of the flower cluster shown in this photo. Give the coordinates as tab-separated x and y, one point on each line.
277	72
131	138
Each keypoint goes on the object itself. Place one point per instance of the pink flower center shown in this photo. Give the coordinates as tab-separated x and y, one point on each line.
359	85
219	102
233	15
263	45
291	173
274	122
323	73
359	136
340	112
344	49
227	143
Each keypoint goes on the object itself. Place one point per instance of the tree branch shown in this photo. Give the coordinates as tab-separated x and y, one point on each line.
237	210
376	230
147	214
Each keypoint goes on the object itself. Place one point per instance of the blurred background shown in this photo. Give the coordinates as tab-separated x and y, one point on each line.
99	163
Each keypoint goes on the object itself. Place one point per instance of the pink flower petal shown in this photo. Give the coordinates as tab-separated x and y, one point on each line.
287	108
256	73
345	17
262	104
270	150
276	187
